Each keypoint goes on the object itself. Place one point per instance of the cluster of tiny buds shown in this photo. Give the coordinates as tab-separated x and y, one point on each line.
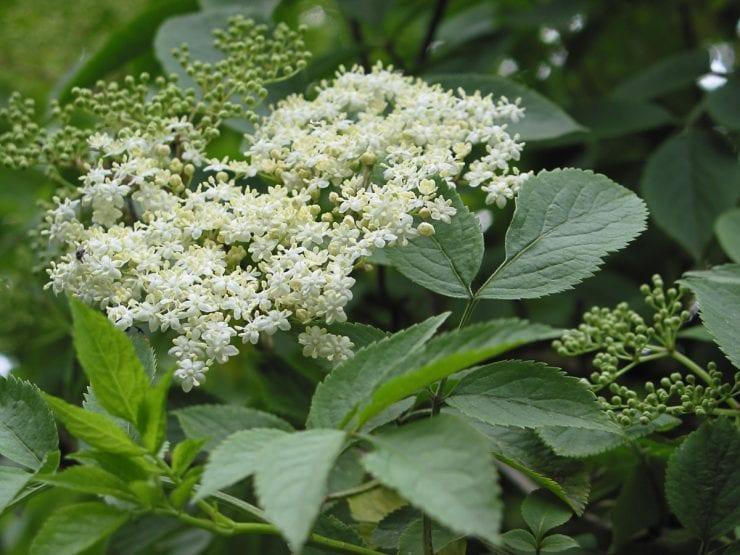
674	395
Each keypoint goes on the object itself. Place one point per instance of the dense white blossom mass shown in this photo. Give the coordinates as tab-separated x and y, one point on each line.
217	251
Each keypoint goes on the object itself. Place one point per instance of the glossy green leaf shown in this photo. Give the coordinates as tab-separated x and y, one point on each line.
75	528
291	479
687	183
216	422
95	429
530	395
27	429
542	512
565	222
542	118
718	294
703	480
110	362
441	465
448	261
337	397
727	229
450	353
235	458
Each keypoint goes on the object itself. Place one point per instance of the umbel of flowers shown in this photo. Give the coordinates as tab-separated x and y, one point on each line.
220	251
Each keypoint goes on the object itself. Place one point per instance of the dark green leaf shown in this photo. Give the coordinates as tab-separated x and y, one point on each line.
443	466
388	532
542	119
608	118
722	103
667	75
448	261
557	543
348	384
110	362
75	528
521	540
687	183
291	479
565	222
718	293
703	480
530	395
542	512
727	228
216	422
27	429
637	507
410	542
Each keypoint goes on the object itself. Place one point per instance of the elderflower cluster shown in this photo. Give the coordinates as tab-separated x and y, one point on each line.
221	251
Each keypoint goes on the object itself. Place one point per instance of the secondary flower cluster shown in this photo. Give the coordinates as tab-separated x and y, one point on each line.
269	243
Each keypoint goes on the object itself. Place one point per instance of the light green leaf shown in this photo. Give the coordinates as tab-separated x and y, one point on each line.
687	183
448	261
723	105
95	429
703	480
27	429
607	118
727	229
291	479
410	542
153	414
542	118
451	352
75	528
144	351
718	293
217	422
336	398
235	458
542	512
521	540
12	482
564	224
443	466
110	362
184	454
556	543
525	452
530	395
89	479
667	75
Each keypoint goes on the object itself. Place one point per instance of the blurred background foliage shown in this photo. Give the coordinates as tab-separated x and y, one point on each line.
646	92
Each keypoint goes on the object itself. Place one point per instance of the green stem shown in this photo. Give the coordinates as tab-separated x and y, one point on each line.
726	412
699	371
351	492
630	366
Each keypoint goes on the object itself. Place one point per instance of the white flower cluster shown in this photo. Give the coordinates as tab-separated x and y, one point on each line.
233	257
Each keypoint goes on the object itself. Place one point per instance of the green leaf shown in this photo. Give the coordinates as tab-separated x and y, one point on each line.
451	352
557	543
361	335
718	294
410	542
564	224
722	103
291	479
542	512
336	398
260	7
524	451
667	75
217	422
448	261
75	528
89	479
97	430
110	362
442	466
27	429
184	454
687	183
727	229
703	480
607	118
542	118
12	482
128	469
528	394
235	458
153	414
388	532
123	45
521	540
637	507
